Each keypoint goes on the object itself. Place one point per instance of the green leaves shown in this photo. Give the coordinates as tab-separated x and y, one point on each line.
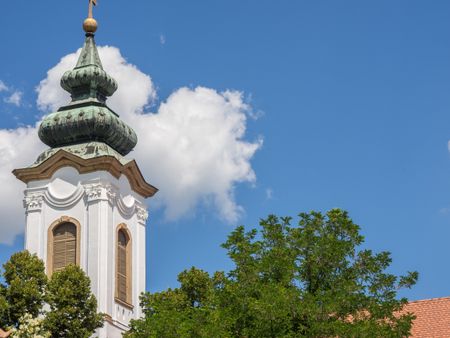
308	280
25	288
73	308
195	286
184	312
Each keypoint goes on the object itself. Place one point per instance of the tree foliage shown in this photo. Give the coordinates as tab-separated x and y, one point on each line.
73	308
62	306
309	280
25	288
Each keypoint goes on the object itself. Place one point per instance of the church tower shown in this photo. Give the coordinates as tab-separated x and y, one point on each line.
84	200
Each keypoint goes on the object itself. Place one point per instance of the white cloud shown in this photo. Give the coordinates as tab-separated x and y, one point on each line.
162	39
50	94
3	87
18	148
15	98
193	148
269	193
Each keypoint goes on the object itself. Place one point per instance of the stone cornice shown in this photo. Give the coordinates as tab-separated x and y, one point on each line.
62	158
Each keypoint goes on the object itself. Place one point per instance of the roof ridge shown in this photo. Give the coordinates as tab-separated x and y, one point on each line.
429	299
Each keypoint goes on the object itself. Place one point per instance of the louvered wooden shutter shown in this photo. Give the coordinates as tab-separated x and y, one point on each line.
64	246
122	266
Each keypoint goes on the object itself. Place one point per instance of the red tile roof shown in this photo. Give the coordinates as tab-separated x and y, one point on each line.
433	317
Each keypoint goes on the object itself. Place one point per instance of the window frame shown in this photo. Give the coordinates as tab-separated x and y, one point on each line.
50	241
129	268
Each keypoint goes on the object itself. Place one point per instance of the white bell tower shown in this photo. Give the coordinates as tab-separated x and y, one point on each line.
85	202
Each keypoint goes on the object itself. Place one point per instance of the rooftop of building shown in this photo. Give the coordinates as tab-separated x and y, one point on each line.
432	317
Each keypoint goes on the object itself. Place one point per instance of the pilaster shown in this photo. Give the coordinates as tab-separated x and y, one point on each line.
99	218
33	204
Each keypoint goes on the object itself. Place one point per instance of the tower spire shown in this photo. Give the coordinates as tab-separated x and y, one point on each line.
87	118
90	24
85	202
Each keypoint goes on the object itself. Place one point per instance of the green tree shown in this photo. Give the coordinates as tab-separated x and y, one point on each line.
187	311
73	308
24	290
308	280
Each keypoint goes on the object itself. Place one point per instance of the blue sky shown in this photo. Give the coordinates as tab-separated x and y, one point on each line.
352	98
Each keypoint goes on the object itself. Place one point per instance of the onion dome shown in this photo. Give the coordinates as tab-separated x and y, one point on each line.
87	118
88	79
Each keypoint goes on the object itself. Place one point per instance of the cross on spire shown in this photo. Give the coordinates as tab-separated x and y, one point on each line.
90	25
91	4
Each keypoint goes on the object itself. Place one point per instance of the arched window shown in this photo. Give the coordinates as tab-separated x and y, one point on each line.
123	266
63	244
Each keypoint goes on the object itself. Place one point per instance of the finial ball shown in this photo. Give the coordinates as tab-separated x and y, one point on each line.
90	25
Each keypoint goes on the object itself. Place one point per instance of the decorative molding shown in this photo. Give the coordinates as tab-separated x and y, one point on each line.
93	192
62	158
117	323
124	209
111	193
65	202
142	214
124	304
101	191
34	198
33	202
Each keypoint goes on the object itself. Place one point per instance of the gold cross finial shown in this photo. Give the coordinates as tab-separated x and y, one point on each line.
91	4
90	25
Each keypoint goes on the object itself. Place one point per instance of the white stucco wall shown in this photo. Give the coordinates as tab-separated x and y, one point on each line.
99	202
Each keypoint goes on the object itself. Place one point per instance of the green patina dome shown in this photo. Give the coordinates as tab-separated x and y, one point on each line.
87	118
